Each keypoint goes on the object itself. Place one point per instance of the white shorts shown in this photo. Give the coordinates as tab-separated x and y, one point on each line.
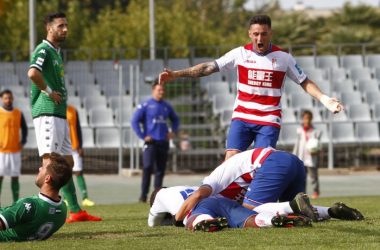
78	161
10	164
53	135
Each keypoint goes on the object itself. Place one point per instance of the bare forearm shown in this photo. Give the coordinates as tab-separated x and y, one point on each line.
37	78
312	89
186	207
203	69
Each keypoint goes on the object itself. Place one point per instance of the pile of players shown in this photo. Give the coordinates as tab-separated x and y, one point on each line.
243	192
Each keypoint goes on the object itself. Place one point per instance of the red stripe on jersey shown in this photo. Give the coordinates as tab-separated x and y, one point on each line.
262	78
256	154
261	99
249	47
258	122
257	112
247	178
234	192
265	156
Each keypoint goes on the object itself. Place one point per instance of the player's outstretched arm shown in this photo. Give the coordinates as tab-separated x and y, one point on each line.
331	104
201	193
203	69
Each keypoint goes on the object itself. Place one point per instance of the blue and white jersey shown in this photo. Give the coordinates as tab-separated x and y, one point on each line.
168	200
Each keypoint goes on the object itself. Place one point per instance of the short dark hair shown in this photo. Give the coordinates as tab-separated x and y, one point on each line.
60	171
307	112
155	84
260	19
153	195
49	17
6	91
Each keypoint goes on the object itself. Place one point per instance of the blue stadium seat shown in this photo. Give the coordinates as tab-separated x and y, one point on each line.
288	134
217	88
338	74
343	86
94	102
315	74
325	132
102	65
301	101
292	87
178	63
349	98
7	67
127	102
358	74
125	121
79	78
371	85
372	98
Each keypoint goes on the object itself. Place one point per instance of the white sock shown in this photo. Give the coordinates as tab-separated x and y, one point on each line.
264	219
323	212
200	218
282	208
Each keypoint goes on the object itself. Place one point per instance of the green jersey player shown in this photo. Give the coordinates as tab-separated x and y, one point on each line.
48	99
39	216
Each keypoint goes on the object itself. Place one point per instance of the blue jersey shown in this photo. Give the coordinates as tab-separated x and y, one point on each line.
153	116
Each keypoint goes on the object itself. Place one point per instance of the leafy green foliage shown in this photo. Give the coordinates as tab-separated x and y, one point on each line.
104	25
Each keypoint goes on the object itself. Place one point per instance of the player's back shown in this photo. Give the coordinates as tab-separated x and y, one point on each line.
33	218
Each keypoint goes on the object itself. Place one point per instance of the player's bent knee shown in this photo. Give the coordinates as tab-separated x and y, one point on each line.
250	221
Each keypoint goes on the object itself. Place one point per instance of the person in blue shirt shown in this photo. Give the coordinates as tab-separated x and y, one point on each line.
153	114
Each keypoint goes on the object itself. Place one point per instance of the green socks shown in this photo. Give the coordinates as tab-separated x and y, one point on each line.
15	186
71	196
82	185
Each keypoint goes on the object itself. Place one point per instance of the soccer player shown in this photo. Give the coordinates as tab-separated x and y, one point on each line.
261	68
152	114
11	121
253	177
48	99
39	216
76	146
165	202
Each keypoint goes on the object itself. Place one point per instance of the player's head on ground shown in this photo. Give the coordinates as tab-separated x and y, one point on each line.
153	195
307	117
55	172
158	91
6	98
56	26
260	31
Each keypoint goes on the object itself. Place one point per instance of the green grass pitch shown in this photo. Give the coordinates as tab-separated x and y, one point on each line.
125	227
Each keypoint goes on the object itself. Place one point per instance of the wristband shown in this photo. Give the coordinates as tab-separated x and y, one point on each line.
47	91
329	103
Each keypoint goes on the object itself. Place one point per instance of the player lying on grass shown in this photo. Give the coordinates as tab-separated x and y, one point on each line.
214	213
39	216
166	202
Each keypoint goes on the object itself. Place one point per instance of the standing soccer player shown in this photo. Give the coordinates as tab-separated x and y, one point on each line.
48	99
262	68
11	120
76	146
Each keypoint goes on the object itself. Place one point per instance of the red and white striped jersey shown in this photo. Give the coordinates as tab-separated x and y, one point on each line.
260	82
233	177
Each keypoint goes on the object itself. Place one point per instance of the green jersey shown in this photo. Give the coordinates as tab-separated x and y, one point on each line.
32	218
48	61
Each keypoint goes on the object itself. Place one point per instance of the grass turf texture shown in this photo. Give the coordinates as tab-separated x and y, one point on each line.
125	227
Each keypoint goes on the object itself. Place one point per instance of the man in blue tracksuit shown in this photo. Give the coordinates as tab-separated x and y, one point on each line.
153	114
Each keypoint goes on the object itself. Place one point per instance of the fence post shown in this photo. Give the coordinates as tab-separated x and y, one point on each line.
120	119
330	145
131	134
